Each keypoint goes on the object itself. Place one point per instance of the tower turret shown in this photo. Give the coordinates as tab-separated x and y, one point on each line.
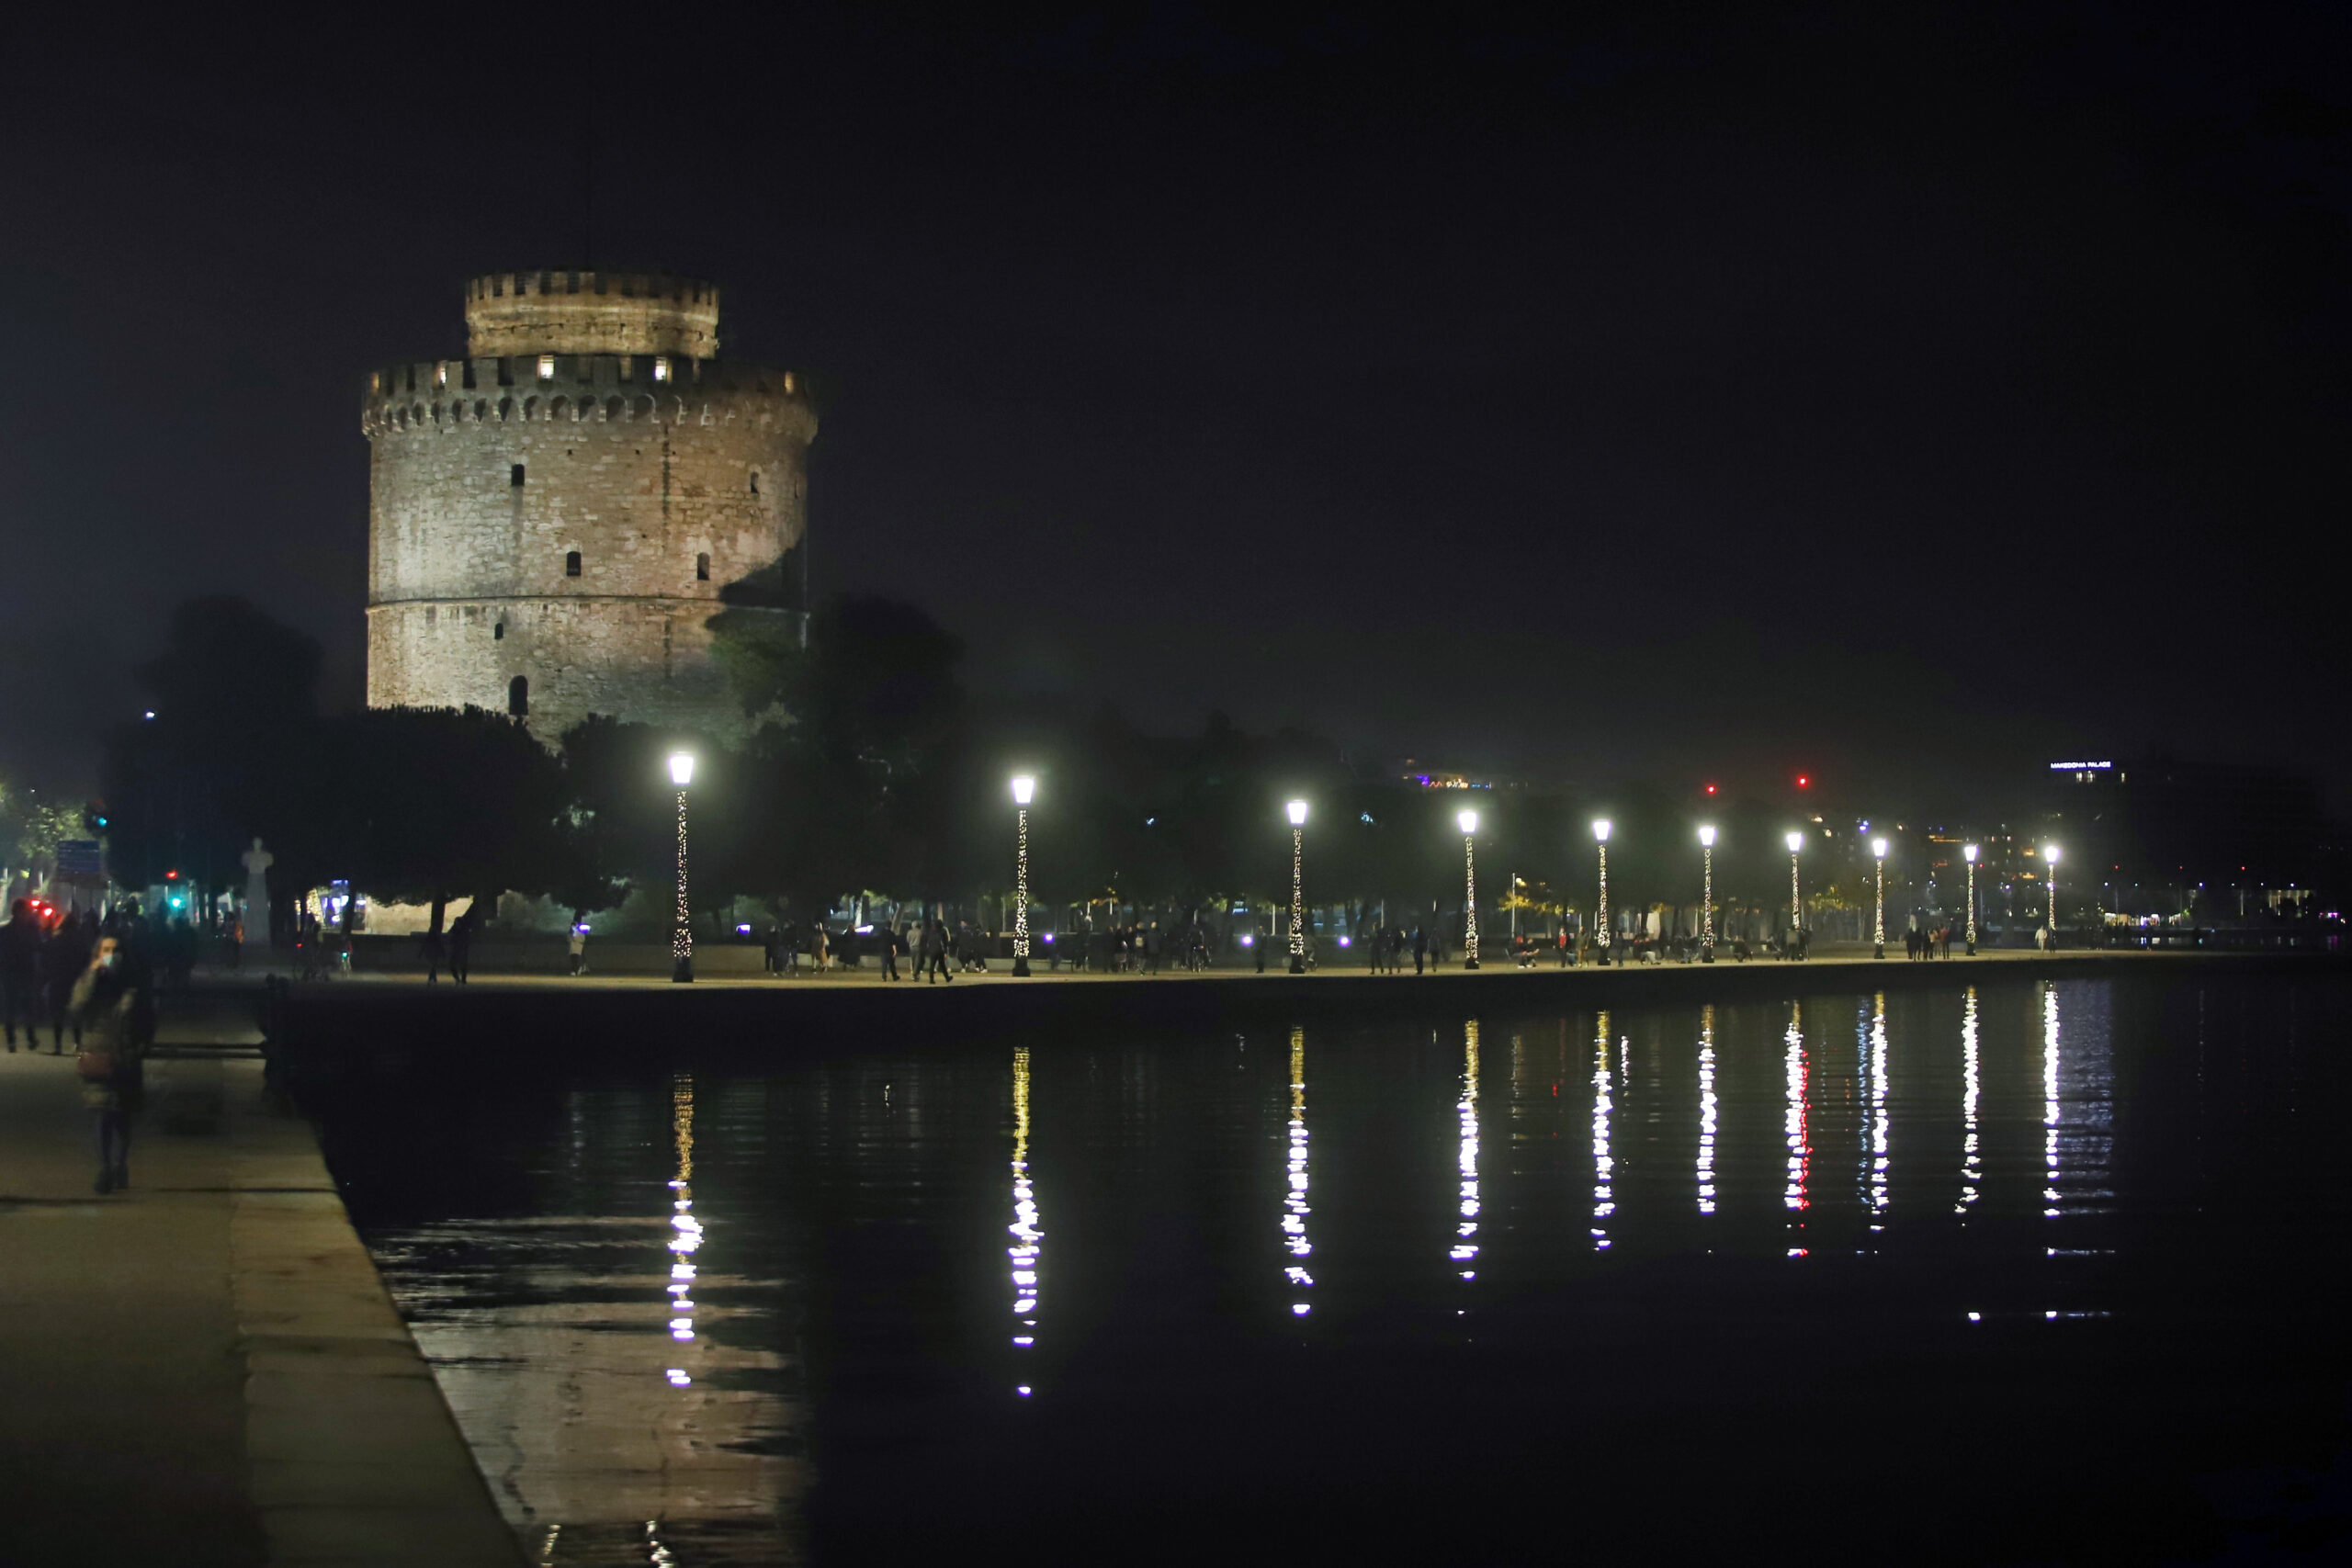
554	520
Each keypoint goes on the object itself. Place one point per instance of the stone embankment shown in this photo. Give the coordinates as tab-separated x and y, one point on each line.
205	1370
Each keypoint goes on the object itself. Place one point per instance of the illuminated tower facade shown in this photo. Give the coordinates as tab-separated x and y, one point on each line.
554	519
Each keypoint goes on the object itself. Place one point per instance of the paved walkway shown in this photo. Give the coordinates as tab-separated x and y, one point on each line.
205	1370
1496	964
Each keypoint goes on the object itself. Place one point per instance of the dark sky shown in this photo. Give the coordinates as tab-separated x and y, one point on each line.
1912	394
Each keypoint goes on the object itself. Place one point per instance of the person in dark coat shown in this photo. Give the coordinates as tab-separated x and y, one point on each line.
20	951
63	957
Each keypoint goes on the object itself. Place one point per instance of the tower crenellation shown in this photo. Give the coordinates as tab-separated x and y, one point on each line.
555	518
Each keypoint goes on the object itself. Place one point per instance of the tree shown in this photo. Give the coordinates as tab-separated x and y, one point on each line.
429	804
222	760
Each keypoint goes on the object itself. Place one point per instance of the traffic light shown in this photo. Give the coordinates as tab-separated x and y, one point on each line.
93	817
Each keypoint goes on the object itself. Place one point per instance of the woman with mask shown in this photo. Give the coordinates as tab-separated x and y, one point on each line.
110	1062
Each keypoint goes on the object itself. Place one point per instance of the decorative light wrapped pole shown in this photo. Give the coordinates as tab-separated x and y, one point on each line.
1878	923
682	941
1297	809
1796	900
1707	896
1968	852
2050	878
1024	790
1468	823
1600	913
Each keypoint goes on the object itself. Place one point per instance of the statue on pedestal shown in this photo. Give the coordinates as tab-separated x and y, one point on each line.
257	861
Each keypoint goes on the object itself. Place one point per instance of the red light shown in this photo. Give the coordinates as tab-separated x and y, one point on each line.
1802	782
171	877
1711	789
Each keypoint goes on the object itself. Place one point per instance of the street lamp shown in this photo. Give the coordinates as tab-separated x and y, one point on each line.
1600	914
1024	789
1878	923
1968	852
681	943
1297	809
1707	896
2050	876
1468	823
1796	901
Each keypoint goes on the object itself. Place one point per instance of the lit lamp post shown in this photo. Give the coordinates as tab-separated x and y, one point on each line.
1878	923
682	944
1468	823
2050	878
1968	852
1297	809
1600	913
1707	896
1024	790
1796	901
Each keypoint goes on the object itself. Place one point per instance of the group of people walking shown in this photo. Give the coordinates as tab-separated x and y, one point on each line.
41	954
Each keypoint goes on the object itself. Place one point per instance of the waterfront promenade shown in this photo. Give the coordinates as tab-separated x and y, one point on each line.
205	1370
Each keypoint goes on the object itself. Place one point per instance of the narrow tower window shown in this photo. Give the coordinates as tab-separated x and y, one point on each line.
702	567
498	632
546	366
518	696
572	563
515	476
755	481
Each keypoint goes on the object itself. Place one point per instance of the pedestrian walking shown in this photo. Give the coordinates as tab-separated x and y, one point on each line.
461	942
64	956
890	940
1421	948
20	947
576	943
110	1062
934	952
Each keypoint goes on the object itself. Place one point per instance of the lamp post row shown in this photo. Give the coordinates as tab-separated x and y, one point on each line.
1024	789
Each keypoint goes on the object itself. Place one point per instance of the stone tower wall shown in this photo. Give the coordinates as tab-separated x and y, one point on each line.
641	464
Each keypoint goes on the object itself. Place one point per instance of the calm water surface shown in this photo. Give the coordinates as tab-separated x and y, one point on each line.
2023	1272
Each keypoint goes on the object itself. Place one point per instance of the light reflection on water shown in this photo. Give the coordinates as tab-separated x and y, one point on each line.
624	1332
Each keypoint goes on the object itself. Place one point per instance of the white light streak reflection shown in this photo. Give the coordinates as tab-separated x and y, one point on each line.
1465	1245
1604	1167
2050	1100
1796	1070
1295	1208
1707	1110
1878	1110
685	1231
1972	1170
1026	1254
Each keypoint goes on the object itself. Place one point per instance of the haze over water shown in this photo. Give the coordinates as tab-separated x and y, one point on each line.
2017	1271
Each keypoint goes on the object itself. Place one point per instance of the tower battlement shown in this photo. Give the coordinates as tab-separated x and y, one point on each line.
435	394
592	312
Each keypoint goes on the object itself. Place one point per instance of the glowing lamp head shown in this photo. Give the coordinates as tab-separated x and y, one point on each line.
1297	809
1878	848
681	768
1600	830
1466	820
1967	853
1024	789
1795	842
2049	854
1707	837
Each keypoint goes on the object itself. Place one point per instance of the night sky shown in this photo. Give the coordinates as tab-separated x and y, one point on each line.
1913	395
